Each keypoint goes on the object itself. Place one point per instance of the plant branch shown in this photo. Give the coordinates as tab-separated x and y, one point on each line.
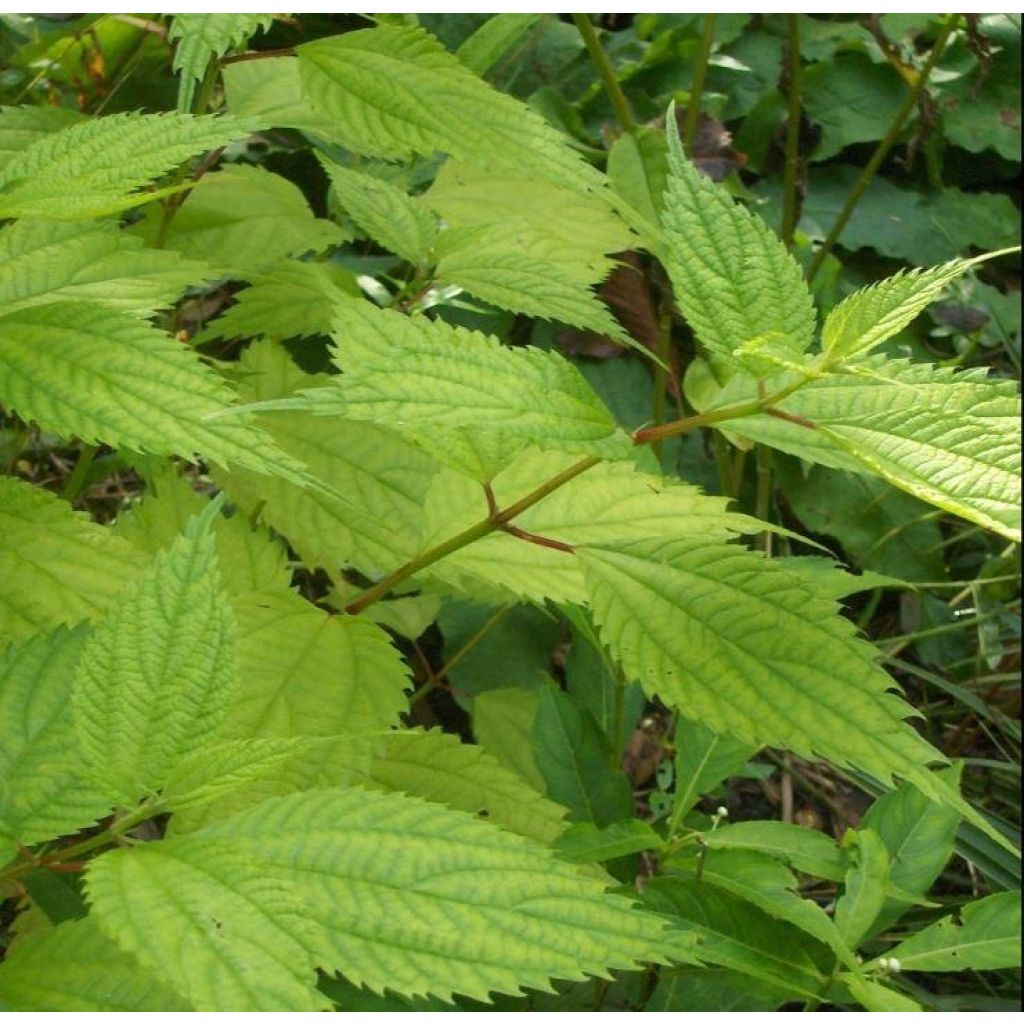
882	151
234	58
661	371
700	73
792	164
607	73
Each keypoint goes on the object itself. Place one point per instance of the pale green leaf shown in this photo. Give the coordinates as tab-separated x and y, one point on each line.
158	674
403	894
55	565
804	849
43	791
584	842
243	221
78	368
200	37
865	885
95	167
41	261
391	217
731	275
518	267
703	760
609	503
438	767
877	997
392	91
211	921
868	317
417	375
949	438
747	647
503	725
75	968
987	939
637	173
294	300
383	477
495	37
21	126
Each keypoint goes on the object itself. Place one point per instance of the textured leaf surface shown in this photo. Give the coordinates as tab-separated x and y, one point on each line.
402	893
503	725
388	215
157	675
94	167
43	793
987	939
202	36
210	922
75	968
865	886
731	275
868	317
244	220
77	369
703	760
747	647
418	375
55	565
610	503
393	91
436	766
41	261
804	849
948	438
21	126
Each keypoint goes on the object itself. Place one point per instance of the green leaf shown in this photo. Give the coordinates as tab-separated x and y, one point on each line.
55	565
876	997
438	767
586	843
610	503
493	39
157	676
713	990
383	477
503	725
865	319
418	376
372	874
919	835
573	757
294	300
200	37
987	939
211	922
391	217
243	221
703	760
728	931
747	647
43	792
865	885
732	277
804	849
638	172
77	368
947	438
41	261
21	126
75	968
517	267
393	91
95	167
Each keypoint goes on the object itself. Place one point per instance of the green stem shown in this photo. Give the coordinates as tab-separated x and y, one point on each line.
76	479
606	72
891	136
700	73
496	521
792	165
661	374
763	501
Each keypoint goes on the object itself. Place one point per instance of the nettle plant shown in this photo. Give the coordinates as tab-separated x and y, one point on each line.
208	798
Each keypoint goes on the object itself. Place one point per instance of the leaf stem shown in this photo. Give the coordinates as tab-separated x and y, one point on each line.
76	478
662	351
606	72
700	73
880	153
763	501
792	164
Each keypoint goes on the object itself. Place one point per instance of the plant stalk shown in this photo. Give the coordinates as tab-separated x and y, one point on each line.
76	478
792	164
700	73
606	72
661	373
882	150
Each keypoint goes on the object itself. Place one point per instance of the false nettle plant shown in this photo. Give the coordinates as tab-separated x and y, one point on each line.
208	799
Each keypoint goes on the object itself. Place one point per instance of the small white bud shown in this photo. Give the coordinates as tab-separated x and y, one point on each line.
722	812
894	965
